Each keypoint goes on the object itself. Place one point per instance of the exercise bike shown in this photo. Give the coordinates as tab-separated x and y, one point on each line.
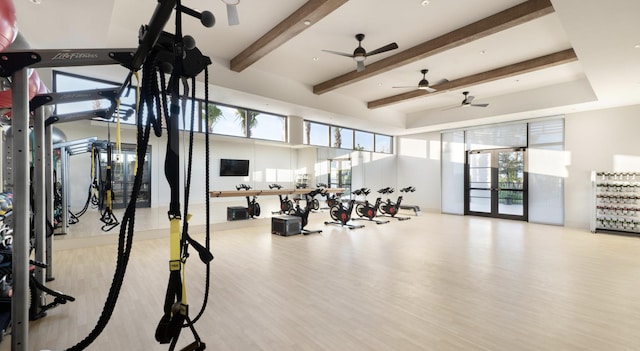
341	214
286	205
366	210
332	199
303	213
390	208
313	202
253	207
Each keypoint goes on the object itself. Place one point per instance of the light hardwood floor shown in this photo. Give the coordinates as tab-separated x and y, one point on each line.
435	282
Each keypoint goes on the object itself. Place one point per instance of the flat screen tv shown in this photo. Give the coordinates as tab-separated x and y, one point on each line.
234	168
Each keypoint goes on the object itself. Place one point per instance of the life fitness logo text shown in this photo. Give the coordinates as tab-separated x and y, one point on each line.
67	56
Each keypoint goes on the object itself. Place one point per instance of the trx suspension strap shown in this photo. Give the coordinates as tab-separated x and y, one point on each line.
92	193
176	309
149	53
108	218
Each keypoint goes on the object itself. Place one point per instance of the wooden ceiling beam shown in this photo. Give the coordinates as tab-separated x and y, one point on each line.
312	10
523	67
519	14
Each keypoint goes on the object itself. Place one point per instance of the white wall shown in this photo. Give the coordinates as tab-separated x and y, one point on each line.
605	140
419	166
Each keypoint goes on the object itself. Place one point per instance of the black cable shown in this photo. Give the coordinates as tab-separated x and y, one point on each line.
205	299
77	215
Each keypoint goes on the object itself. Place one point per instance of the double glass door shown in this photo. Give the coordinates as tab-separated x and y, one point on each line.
496	183
340	175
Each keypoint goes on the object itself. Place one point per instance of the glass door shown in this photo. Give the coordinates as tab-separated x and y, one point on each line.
479	182
123	168
496	183
340	175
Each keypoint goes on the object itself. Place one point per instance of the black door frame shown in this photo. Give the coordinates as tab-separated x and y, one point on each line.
495	188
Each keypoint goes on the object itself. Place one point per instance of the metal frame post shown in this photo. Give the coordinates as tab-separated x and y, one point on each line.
39	211
48	140
21	232
64	179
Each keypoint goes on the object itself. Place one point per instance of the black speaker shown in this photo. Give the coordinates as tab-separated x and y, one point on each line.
286	225
235	213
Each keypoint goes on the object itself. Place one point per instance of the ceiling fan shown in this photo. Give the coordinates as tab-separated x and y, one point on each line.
423	84
232	11
467	102
360	54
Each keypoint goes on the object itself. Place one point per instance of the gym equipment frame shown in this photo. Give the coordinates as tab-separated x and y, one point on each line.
16	64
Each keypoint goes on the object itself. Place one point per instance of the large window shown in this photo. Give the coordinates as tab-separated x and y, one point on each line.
241	122
267	126
364	141
67	82
316	134
227	121
383	143
222	119
341	138
338	137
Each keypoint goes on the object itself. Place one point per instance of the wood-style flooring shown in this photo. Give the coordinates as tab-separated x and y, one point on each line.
434	282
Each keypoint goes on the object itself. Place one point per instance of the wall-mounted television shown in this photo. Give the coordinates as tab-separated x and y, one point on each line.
234	168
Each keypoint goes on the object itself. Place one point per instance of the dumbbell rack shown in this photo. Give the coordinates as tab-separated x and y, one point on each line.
616	202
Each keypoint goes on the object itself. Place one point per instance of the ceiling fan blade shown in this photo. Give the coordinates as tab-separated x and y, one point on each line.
385	48
338	53
360	66
479	105
451	108
469	99
441	81
429	89
232	15
407	87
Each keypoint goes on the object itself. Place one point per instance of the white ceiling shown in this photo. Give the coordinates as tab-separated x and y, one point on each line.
602	33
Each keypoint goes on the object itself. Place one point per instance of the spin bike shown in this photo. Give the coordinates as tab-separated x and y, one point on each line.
286	205
390	208
341	214
331	198
365	210
253	207
303	213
